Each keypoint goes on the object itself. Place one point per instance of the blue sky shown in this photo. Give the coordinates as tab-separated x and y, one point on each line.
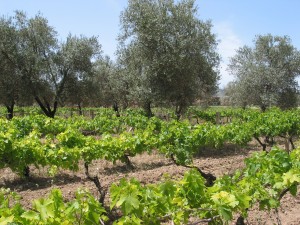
236	22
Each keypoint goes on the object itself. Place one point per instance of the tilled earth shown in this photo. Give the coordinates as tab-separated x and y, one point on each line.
147	169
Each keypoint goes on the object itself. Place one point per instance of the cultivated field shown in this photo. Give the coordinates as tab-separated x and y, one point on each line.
149	167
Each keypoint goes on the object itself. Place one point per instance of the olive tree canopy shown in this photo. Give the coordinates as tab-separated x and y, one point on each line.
169	55
72	67
265	75
34	63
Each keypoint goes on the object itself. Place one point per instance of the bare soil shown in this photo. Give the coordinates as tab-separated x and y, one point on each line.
148	169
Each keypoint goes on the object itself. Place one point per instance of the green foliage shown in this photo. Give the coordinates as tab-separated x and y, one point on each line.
264	180
61	143
34	66
167	53
52	210
265	74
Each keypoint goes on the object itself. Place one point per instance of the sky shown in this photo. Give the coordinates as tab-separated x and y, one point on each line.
235	22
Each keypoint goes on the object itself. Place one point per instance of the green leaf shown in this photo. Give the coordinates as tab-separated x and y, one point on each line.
293	189
225	213
6	220
75	205
31	215
131	202
45	208
290	177
244	200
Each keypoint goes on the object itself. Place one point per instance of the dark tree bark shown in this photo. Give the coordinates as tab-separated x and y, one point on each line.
263	108
147	108
10	110
178	112
46	107
79	109
116	108
240	221
210	178
263	145
26	171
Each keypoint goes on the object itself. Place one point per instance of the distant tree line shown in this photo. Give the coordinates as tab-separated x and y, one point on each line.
166	57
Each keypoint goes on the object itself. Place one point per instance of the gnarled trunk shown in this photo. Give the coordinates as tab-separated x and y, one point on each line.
46	107
147	109
10	110
79	109
116	109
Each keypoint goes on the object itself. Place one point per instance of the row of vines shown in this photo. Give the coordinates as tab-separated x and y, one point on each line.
64	143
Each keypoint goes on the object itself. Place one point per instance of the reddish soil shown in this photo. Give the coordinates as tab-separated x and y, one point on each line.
148	169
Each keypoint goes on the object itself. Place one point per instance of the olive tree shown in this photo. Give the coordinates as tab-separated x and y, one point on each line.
168	54
70	69
111	85
9	81
43	66
32	44
12	88
265	75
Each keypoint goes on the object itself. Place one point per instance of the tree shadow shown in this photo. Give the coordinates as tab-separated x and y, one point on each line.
36	183
123	169
226	150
